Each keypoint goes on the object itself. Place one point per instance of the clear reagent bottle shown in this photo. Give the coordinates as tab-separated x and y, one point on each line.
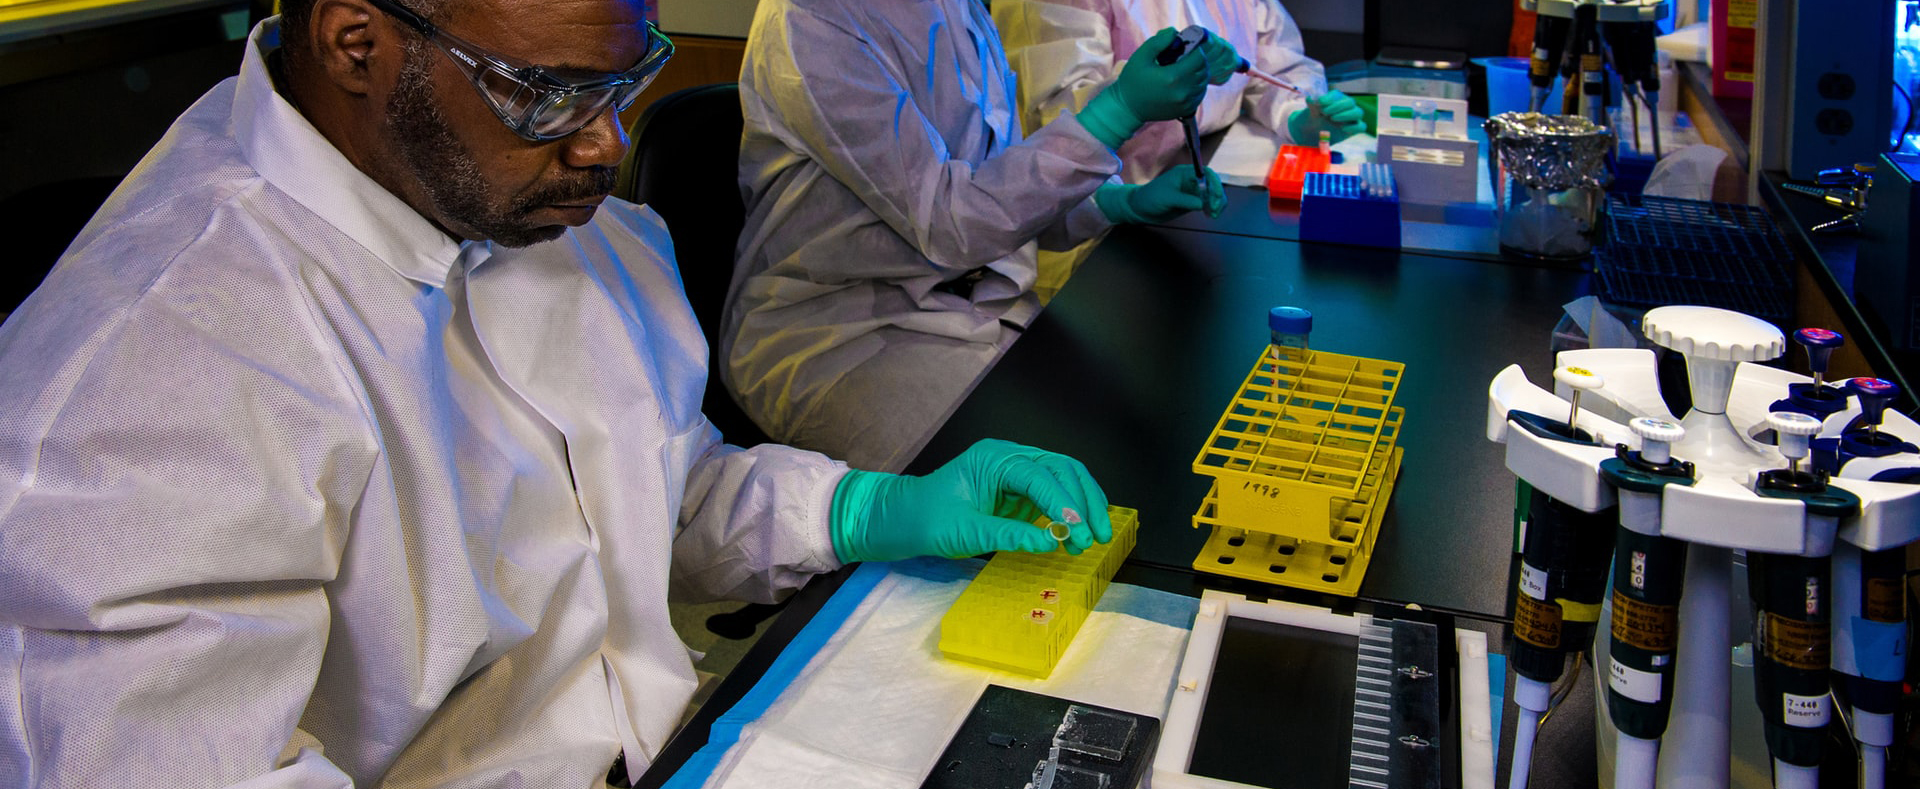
1288	327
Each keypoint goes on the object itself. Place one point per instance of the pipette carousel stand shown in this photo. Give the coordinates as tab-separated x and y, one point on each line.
1820	540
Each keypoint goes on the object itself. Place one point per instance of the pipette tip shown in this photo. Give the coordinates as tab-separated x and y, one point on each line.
1273	80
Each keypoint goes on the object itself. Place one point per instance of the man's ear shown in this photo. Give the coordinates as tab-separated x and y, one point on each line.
352	41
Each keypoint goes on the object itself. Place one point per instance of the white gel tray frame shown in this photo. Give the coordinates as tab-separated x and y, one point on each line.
1175	754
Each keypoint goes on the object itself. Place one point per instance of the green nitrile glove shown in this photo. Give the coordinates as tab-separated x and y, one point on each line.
1173	193
1222	61
976	503
1333	111
1146	91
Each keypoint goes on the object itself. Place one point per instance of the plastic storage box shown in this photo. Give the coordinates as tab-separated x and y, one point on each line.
1303	460
1023	609
1335	208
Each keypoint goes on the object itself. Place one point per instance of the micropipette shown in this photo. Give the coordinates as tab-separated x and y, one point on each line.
1188	41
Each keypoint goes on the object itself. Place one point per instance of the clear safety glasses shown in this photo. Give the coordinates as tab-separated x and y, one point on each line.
533	101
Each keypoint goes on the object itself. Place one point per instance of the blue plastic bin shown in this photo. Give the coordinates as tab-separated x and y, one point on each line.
1507	86
1335	208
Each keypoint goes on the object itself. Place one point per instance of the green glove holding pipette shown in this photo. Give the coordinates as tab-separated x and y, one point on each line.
1147	90
1167	196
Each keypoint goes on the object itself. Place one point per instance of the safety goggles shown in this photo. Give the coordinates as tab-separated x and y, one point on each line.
533	101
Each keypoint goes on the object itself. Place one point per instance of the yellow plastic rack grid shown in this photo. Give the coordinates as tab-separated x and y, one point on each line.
1303	460
1023	609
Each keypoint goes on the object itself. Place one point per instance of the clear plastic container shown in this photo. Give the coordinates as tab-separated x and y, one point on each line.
1287	329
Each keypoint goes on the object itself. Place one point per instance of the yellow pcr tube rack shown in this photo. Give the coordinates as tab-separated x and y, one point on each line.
1303	460
1023	609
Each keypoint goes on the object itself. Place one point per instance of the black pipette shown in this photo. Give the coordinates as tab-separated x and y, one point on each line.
1570	62
1189	40
1648	573
1549	42
1562	578
1623	50
1792	617
1634	59
1643	36
1869	609
1593	71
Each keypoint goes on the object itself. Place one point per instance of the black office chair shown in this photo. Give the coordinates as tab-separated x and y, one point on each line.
685	163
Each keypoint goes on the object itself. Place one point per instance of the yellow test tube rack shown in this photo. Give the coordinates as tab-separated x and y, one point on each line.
1303	459
1023	609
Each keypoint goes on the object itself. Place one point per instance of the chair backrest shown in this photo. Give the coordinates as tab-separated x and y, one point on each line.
685	164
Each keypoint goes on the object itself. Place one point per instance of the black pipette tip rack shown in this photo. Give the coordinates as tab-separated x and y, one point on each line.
1658	251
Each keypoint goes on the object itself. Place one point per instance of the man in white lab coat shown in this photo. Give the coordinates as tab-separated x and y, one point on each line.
356	441
895	210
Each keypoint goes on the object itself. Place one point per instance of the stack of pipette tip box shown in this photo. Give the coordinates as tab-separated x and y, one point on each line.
1359	209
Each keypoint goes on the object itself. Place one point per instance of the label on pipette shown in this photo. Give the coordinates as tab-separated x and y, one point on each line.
1536	622
1641	686
1805	712
1578	611
1880	649
1654	628
1533	581
1794	643
1880	600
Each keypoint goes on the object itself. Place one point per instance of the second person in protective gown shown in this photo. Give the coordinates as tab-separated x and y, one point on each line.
1066	51
894	210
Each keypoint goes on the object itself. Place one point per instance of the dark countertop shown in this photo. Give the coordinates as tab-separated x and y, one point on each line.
1131	366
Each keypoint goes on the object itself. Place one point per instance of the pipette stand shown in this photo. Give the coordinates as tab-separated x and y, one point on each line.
1716	515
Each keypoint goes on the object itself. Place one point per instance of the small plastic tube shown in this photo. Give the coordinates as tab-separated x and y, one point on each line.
1425	118
1287	331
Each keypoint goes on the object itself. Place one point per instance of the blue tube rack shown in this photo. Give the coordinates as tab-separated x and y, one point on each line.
1336	208
1659	251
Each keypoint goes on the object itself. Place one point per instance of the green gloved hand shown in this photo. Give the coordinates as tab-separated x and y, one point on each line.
977	502
1167	196
1146	91
1222	61
1333	111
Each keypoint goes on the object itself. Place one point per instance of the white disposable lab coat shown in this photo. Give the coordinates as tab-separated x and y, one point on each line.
881	163
295	491
1066	51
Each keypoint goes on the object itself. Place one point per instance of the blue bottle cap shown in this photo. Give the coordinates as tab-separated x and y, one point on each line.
1290	320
